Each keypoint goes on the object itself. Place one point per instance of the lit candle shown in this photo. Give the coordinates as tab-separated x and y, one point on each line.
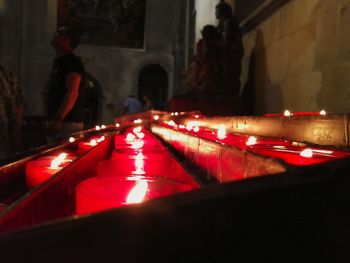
323	113
102	193
136	166
221	132
38	171
287	113
88	145
137	193
251	141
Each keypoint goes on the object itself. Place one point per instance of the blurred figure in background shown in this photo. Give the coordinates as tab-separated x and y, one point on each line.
231	46
132	105
11	113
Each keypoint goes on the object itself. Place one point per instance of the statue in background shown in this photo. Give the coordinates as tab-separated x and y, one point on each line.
231	47
215	72
202	75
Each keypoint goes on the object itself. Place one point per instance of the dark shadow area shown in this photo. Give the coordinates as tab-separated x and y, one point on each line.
92	100
247	97
153	83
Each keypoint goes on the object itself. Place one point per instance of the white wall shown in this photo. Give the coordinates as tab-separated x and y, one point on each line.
303	57
205	14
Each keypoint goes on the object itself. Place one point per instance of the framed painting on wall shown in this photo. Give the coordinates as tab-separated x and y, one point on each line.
118	23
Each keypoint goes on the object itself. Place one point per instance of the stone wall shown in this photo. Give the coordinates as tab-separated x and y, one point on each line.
25	46
302	57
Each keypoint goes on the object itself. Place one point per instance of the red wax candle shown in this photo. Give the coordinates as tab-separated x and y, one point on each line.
38	171
146	167
102	193
149	153
298	155
87	145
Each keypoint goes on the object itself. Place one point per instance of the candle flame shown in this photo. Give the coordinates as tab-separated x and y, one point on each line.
137	129
196	129
93	142
190	125
176	113
137	144
101	139
287	113
137	193
323	112
130	137
171	123
138	121
103	126
71	139
156	117
196	116
117	125
251	141
55	163
307	153
97	128
140	135
221	132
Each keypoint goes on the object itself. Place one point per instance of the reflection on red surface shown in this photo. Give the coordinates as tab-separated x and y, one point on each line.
102	193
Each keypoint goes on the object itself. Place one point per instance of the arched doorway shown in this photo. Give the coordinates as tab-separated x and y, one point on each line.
153	83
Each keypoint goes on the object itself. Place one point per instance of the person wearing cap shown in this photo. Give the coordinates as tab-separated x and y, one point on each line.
64	89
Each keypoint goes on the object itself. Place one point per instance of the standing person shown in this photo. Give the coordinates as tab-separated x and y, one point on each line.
11	113
232	51
202	77
132	105
65	91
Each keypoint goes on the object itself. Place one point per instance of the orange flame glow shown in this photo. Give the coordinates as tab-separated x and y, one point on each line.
307	153
93	142
251	141
55	163
137	144
287	113
221	132
137	193
130	137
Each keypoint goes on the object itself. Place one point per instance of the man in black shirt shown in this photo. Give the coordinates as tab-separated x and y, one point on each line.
64	87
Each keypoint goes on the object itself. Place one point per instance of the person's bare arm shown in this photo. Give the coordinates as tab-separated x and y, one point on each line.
72	84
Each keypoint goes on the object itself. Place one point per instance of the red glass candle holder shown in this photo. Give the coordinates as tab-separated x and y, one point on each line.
38	171
292	154
102	193
148	153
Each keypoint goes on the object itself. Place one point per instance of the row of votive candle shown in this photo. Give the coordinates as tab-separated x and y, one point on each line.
292	153
139	169
43	168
